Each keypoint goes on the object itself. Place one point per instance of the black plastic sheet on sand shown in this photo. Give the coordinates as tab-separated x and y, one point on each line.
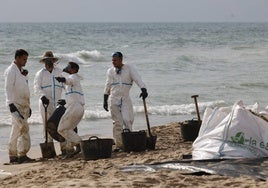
255	168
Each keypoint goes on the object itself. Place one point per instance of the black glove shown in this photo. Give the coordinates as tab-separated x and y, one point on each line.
105	102
30	112
61	102
13	109
45	100
24	72
60	79
144	93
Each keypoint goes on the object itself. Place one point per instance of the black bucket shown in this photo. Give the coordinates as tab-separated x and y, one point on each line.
96	148
190	130
48	150
134	140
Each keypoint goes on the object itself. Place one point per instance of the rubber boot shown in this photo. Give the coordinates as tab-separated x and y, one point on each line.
25	159
13	159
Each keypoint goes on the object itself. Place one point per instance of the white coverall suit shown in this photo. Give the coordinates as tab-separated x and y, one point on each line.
74	112
18	93
46	85
117	87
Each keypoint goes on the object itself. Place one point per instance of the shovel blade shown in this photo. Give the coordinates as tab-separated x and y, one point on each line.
48	150
150	142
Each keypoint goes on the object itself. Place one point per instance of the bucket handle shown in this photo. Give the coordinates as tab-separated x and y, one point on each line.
126	130
196	119
93	138
193	119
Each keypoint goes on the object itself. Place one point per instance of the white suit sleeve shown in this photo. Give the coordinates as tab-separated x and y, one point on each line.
108	83
136	77
37	84
10	77
70	80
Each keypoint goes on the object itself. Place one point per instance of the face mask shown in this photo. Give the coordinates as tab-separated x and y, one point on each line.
118	70
49	63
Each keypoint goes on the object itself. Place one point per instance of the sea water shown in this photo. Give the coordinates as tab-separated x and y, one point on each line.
220	62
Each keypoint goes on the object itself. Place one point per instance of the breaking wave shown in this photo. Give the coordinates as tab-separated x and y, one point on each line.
164	110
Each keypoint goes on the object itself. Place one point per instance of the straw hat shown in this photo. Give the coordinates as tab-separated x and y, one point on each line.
49	55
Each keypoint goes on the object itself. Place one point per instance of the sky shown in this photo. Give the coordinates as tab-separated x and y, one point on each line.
134	11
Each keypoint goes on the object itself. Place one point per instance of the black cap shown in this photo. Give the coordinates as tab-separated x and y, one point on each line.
117	54
71	65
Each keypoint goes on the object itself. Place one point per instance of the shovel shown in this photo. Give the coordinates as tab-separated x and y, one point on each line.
47	148
197	110
151	140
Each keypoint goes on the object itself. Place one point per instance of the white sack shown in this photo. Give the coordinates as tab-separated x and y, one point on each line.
231	133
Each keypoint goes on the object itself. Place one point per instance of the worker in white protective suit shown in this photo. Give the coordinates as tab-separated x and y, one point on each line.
18	99
119	81
75	108
49	90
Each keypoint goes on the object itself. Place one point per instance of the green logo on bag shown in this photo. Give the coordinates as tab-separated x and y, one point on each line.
238	138
253	145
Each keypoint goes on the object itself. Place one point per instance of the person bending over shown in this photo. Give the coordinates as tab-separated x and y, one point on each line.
75	108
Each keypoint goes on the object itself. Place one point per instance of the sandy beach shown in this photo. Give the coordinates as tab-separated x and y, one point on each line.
77	172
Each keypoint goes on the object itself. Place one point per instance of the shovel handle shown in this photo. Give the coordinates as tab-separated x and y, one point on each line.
147	118
46	106
197	110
